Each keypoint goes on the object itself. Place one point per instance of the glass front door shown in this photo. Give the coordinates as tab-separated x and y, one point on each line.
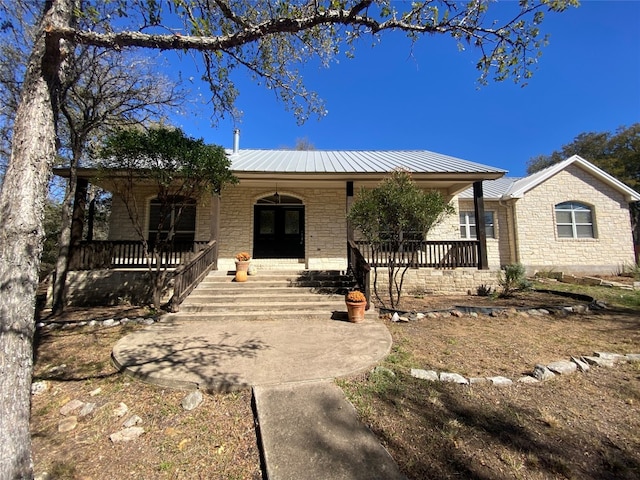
278	231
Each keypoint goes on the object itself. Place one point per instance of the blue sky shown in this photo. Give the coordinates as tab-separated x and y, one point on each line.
392	98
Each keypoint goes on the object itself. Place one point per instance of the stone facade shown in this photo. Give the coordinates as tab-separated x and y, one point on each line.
538	246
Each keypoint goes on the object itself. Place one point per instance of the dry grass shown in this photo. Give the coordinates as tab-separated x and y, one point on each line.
217	440
584	426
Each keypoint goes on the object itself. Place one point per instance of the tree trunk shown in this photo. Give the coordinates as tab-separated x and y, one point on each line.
21	236
64	241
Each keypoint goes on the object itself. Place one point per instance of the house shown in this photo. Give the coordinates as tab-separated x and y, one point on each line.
289	211
571	217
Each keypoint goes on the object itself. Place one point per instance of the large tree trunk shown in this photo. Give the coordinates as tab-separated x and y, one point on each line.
21	235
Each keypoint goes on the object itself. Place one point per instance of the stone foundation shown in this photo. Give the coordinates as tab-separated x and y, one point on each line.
441	282
108	287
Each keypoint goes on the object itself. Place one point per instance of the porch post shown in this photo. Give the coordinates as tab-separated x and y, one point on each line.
350	235
481	230
215	226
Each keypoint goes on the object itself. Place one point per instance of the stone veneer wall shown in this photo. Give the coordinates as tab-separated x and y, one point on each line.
497	246
429	281
121	227
325	224
540	249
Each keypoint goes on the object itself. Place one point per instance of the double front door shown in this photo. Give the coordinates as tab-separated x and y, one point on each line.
278	231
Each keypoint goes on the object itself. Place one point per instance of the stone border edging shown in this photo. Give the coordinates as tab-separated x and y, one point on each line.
540	373
458	311
110	322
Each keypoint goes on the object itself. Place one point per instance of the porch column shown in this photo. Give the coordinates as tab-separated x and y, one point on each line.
481	229
350	235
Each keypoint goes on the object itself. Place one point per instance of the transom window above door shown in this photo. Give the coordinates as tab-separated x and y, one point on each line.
277	199
574	220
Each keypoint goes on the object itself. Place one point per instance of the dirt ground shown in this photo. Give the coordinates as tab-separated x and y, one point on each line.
585	426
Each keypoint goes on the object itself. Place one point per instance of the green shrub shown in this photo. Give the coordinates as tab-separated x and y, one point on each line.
513	279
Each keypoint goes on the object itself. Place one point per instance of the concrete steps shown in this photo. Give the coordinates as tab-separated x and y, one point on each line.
269	295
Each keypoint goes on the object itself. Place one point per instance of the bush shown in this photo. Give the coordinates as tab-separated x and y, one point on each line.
513	279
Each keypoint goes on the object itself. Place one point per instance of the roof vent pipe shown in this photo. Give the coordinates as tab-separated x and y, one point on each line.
236	140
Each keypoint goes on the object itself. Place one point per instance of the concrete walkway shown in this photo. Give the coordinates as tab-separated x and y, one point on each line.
307	427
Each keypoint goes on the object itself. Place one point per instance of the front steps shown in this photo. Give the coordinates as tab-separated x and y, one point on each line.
269	295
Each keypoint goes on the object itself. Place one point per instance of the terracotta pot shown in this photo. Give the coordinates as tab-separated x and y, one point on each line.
241	275
356	311
242	266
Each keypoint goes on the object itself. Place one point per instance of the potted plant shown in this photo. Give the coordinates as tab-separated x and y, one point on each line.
243	259
356	305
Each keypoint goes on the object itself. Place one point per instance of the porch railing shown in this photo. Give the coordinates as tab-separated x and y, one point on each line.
90	255
188	276
443	254
360	269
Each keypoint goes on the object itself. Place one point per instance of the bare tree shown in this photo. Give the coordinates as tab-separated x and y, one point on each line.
266	37
103	91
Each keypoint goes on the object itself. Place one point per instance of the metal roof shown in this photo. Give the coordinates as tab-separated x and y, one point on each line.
492	189
343	161
516	187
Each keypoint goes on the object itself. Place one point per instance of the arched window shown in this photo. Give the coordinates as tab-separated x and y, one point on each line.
179	212
574	220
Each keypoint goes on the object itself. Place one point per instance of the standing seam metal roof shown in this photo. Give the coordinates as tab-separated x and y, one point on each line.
333	161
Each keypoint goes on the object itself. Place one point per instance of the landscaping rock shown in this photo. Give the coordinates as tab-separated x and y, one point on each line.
528	379
615	357
478	381
193	400
95	392
542	373
109	322
600	361
563	367
70	406
132	421
121	410
39	387
581	364
453	378
68	424
87	409
456	313
424	374
633	357
500	381
126	435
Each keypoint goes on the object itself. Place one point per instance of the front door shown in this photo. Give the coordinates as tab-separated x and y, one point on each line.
278	231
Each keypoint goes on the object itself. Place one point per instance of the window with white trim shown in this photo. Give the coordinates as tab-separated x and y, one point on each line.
468	225
574	220
185	227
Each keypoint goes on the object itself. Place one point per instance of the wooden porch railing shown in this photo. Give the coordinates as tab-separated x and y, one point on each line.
360	269
188	276
443	254
90	255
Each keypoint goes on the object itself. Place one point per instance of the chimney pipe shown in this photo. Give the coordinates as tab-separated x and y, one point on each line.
236	140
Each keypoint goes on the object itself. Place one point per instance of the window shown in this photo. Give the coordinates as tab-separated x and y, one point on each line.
185	228
574	220
468	225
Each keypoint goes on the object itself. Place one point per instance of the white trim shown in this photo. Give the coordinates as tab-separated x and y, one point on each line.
519	188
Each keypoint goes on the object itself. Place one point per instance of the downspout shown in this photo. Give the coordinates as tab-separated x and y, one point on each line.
512	228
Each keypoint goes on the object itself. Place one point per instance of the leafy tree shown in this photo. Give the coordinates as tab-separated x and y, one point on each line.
266	37
390	217
179	167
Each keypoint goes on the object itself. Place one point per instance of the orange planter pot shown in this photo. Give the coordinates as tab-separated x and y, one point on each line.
356	311
241	275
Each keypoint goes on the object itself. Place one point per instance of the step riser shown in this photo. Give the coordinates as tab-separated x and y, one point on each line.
267	295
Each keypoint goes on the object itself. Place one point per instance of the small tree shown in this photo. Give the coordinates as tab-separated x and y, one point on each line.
390	217
179	167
